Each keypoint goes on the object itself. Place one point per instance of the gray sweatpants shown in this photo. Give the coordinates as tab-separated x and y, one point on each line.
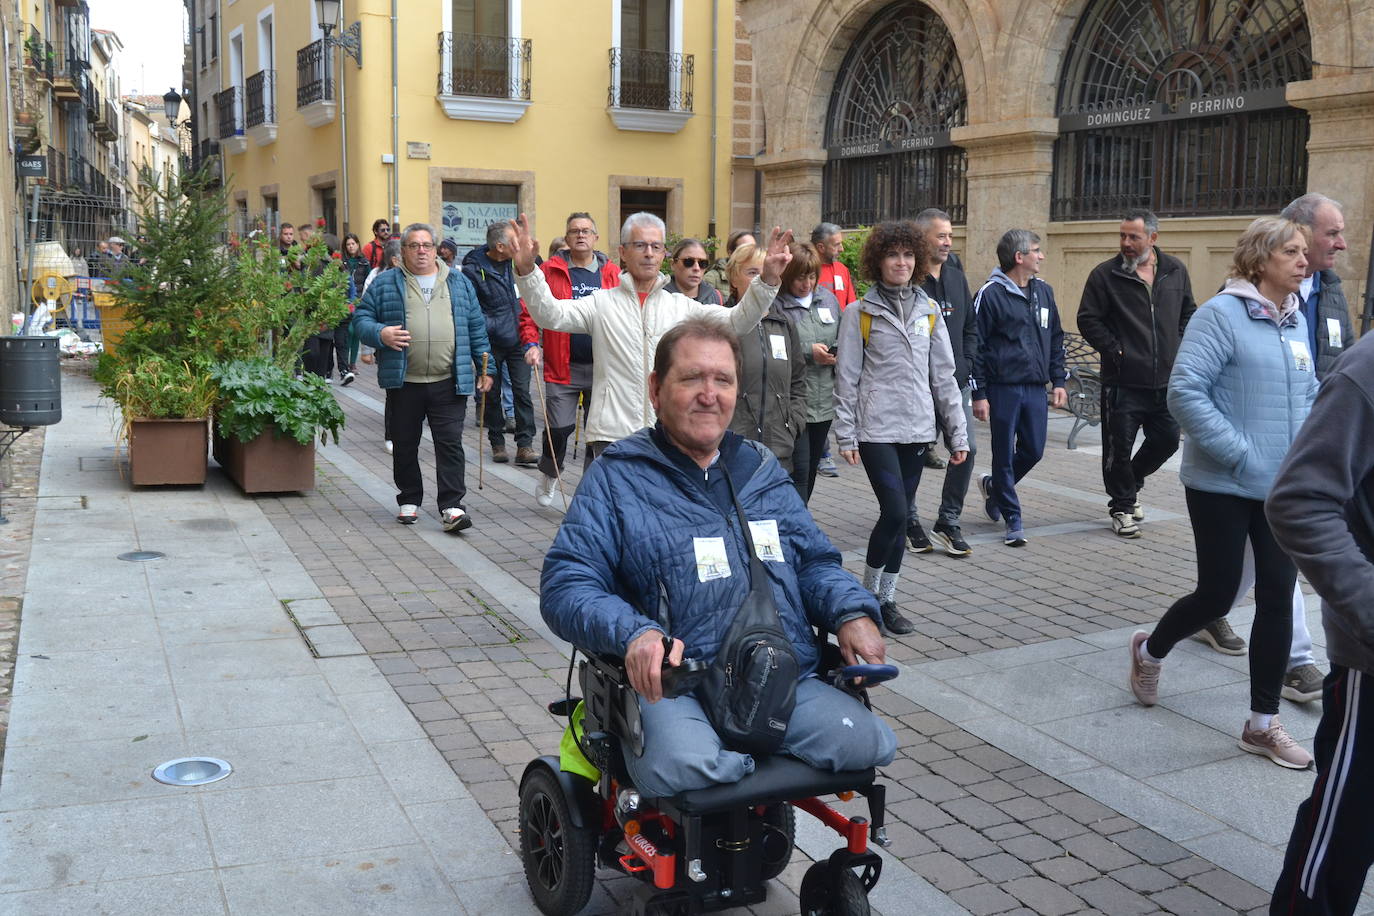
830	730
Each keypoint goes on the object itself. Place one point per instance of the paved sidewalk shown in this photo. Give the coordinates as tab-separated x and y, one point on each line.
379	688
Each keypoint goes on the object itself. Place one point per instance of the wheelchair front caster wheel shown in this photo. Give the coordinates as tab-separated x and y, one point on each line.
828	891
559	858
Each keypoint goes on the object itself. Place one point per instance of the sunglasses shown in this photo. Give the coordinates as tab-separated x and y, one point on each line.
694	262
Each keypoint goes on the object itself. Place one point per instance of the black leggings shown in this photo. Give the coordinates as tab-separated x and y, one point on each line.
804	474
1221	524
894	470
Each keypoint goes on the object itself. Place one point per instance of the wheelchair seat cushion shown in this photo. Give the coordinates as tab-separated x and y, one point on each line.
775	779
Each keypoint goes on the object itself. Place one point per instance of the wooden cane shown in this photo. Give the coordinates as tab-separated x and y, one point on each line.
481	418
548	432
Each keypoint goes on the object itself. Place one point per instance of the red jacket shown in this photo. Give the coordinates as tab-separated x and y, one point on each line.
844	289
373	251
558	345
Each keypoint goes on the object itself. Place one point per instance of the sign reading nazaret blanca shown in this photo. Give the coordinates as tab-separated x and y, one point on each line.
1255	100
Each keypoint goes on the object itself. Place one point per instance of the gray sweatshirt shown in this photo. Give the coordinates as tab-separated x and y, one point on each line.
1321	507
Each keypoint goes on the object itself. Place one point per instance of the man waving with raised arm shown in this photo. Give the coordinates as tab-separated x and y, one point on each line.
625	323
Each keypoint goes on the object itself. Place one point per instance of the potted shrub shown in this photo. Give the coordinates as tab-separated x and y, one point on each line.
266	422
268	415
179	299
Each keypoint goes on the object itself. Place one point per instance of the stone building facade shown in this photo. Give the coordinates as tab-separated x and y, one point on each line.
1056	115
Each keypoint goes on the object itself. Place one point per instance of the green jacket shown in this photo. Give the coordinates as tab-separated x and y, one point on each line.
817	324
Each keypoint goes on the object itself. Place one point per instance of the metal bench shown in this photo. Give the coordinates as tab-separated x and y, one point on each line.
1084	385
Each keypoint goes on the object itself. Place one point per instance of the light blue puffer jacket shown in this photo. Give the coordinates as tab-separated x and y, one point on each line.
1241	387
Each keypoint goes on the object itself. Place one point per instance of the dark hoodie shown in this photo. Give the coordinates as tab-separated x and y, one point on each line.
495	285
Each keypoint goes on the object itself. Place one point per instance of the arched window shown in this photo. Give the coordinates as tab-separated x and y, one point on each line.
899	92
1178	106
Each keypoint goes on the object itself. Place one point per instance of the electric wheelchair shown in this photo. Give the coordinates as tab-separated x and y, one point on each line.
695	852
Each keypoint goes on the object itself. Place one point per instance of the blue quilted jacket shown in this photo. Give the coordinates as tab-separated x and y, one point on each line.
1240	389
627	548
384	304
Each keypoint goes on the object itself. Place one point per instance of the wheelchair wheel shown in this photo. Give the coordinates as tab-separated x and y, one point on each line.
829	892
779	834
559	859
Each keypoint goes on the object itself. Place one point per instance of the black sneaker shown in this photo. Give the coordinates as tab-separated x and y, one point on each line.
346	377
952	539
989	507
893	621
917	536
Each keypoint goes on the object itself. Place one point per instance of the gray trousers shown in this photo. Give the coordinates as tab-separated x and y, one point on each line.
829	730
957	476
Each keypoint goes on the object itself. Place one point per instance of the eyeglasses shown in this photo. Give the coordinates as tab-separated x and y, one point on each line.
420	246
655	247
703	263
581	232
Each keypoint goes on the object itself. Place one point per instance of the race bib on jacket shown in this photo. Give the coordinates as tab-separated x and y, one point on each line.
1044	317
767	544
1302	357
1333	333
779	345
825	315
712	560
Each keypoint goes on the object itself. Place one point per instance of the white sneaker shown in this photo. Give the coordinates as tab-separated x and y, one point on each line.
387	446
544	489
1124	525
1138	511
456	519
407	514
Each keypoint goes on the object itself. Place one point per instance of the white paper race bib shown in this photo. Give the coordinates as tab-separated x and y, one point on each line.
1302	357
825	315
712	561
839	282
767	544
779	344
1333	333
1044	317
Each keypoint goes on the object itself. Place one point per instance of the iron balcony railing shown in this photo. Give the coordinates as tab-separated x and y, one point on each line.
260	91
79	172
34	55
657	80
229	111
49	57
57	168
490	66
314	82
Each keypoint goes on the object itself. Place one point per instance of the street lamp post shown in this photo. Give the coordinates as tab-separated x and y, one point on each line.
350	42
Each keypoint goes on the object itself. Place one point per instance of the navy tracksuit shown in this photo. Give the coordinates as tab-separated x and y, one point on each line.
1020	350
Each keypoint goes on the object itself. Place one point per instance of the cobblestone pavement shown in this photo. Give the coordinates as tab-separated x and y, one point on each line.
994	834
18	491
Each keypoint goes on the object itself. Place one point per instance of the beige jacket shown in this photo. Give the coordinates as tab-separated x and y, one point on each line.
624	337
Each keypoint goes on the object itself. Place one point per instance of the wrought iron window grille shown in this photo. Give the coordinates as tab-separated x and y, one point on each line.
654	80
487	66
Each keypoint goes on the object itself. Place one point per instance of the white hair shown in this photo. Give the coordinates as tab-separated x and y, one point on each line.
1304	209
641	220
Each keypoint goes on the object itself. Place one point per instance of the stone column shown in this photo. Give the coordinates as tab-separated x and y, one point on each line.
792	189
1010	164
1340	163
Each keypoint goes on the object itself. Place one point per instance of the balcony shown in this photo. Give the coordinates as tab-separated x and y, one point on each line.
650	90
315	84
38	55
78	173
229	111
260	94
484	77
67	78
206	151
106	124
57	169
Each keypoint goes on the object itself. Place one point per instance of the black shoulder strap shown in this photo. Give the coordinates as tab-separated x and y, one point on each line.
757	576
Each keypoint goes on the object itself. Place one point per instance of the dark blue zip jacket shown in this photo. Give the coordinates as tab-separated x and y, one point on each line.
1020	342
625	559
384	304
495	285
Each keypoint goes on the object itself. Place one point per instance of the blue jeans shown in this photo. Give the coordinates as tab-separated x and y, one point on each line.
829	730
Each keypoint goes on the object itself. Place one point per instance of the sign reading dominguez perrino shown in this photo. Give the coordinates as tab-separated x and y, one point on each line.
879	147
1151	112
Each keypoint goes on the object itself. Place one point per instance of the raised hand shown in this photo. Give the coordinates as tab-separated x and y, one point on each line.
522	239
778	257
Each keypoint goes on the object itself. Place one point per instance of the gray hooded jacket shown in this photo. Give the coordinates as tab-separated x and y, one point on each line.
898	386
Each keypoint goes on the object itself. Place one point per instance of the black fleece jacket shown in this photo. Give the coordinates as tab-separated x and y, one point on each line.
1136	328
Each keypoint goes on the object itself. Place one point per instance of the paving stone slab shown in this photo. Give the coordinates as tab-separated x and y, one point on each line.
403	881
1161	741
189	893
82	772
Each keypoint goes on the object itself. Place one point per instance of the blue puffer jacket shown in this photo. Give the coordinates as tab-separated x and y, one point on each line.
628	546
384	304
1241	387
495	285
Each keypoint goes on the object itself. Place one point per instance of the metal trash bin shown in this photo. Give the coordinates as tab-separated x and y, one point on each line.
30	381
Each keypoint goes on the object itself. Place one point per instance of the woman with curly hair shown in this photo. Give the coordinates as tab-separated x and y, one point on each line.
894	392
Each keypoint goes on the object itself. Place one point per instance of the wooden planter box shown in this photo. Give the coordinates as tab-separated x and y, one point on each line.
166	452
267	464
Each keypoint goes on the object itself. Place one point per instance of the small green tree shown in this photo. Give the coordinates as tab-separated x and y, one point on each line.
849	257
279	304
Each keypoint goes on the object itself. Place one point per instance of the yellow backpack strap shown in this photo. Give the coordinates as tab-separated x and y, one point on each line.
932	324
865	326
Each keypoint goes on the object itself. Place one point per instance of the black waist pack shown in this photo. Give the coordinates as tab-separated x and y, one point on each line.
751	688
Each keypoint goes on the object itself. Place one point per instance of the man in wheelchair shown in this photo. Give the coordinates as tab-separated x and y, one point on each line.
651	547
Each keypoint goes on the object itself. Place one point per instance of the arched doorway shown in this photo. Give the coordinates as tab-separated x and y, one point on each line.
1178	106
898	94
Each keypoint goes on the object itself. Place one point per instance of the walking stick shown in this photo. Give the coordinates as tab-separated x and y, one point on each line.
548	433
481	418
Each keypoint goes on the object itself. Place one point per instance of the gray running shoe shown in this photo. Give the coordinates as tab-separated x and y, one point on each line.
1219	635
1303	684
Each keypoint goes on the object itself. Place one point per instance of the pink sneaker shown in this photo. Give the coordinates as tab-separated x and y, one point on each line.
1276	744
1144	675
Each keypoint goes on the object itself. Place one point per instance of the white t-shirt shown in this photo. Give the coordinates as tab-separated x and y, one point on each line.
426	284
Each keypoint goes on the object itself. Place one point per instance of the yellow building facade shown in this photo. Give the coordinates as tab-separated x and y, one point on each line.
486	110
